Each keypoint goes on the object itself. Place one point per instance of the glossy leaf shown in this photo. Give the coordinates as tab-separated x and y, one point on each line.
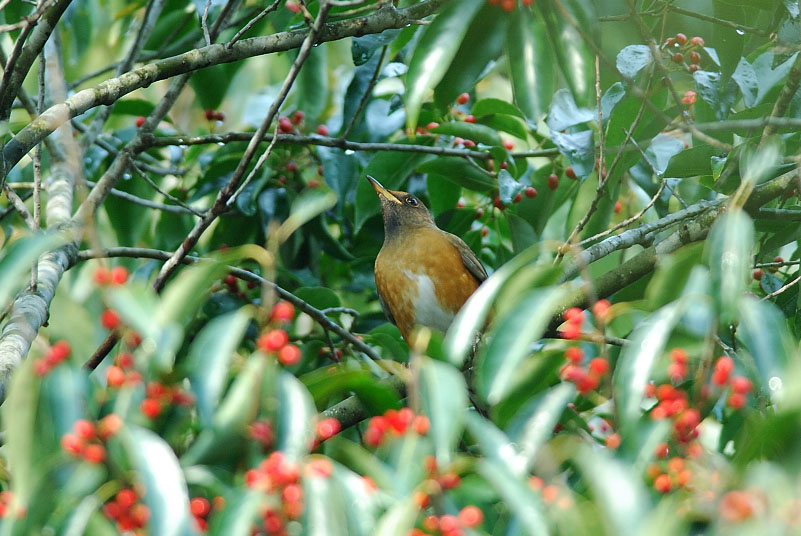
632	59
519	497
469	131
210	355
495	106
729	252
565	113
444	398
531	64
539	427
434	52
295	431
16	262
460	172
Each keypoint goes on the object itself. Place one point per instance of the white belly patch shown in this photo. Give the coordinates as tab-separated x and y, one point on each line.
427	311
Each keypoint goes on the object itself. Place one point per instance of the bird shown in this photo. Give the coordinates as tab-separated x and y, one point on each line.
423	274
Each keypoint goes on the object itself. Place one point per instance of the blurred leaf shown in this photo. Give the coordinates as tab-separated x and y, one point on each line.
360	502
319	297
671	274
209	357
512	335
434	52
729	252
242	509
632	59
19	414
539	427
16	261
471	317
444	399
399	518
324	507
633	368
295	426
495	106
495	445
616	488
133	107
167	496
310	203
760	163
517	495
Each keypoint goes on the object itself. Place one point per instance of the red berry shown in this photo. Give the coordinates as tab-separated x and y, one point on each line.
314	183
210	114
102	275
574	315
140	121
574	354
678	57
697	41
109	319
448	523
151	408
736	400
289	354
471	516
679	355
757	274
272	341
297	117
570	173
775	269
463	98
661	450
677	371
449	480
662	484
119	275
431	523
681	38
282	312
530	191
741	384
293	6
126	498
479	213
71	444
518	198
618	207
689	98
599	366
109	426
421	424
219	116
613	441
115	376
285	125
320	467
199	506
469	143
94	453
498	203
140	514
328	428
670	41
322	130
509	145
587	383
291	166
484	231
84	429
694	67
469	119
508	5
432	125
695	57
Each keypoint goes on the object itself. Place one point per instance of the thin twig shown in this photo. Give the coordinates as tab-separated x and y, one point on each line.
266	11
368	91
203	20
258	165
156	187
785	287
37	171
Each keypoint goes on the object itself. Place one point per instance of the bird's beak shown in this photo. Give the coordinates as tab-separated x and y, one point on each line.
381	191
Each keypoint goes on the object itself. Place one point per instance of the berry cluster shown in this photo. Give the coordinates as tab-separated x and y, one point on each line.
158	396
276	475
200	507
740	385
669	474
126	510
394	423
114	277
552	494
122	371
86	440
276	341
327	428
680	48
262	432
214	115
6	499
586	378
510	5
54	356
450	525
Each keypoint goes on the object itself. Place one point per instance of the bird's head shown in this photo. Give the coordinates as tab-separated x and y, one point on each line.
401	210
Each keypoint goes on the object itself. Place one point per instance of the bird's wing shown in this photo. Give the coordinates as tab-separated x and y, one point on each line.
385	308
469	258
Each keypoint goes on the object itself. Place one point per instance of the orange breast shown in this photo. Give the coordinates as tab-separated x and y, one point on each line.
417	269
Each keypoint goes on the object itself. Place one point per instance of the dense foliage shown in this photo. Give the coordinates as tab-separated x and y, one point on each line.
200	347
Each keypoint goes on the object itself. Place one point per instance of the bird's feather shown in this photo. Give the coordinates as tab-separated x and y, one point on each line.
469	258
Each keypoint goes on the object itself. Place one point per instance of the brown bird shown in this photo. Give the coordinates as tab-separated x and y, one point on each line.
423	274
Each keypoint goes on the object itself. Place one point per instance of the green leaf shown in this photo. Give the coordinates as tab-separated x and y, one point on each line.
617	490
434	52
729	252
399	518
579	150
510	341
360	505
16	261
728	41
760	163
362	48
155	463
488	27
325	508
209	357
443	394
319	297
508	187
564	113
633	369
495	106
441	193
295	430
539	427
692	162
517	496
671	274
574	58
312	82
471	317
470	131
495	445
310	203
521	232
133	107
460	172
531	64
504	123
242	509
632	59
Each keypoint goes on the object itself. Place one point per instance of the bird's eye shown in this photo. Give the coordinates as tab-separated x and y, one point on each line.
411	201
